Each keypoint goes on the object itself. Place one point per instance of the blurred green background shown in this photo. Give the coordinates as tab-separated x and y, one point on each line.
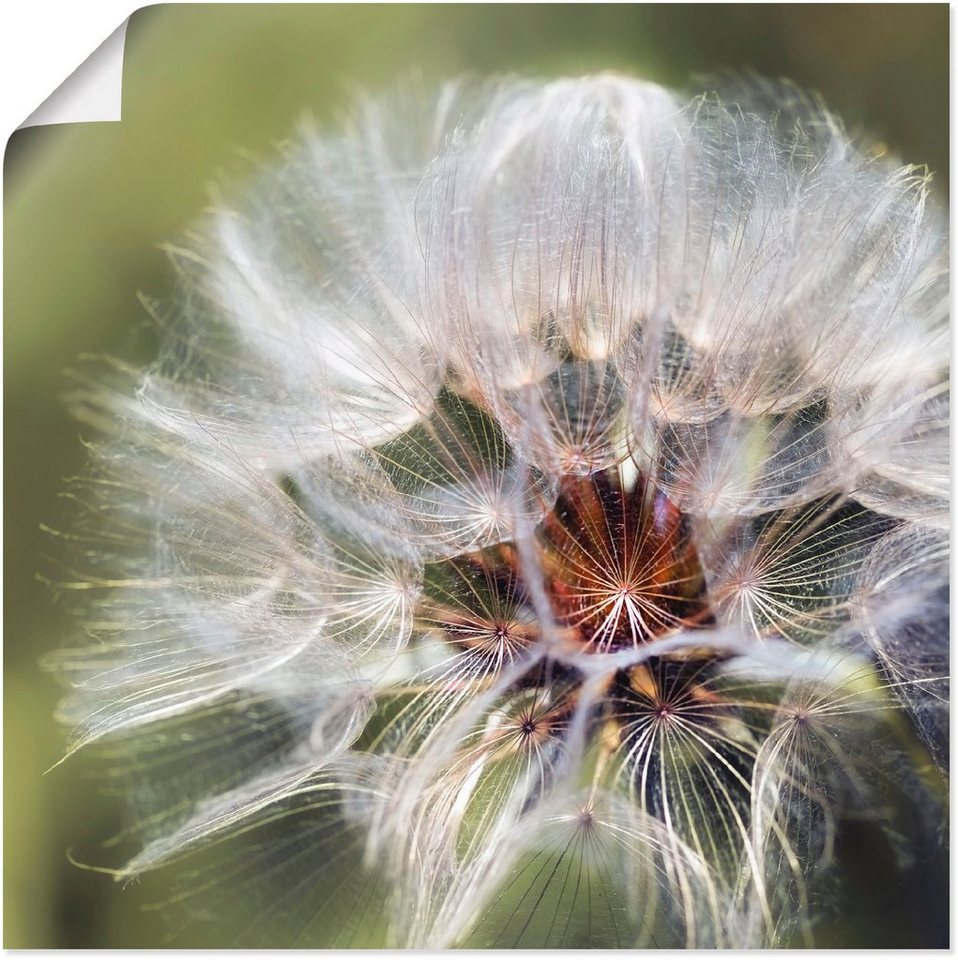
204	85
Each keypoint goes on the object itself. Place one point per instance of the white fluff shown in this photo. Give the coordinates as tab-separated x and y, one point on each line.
397	349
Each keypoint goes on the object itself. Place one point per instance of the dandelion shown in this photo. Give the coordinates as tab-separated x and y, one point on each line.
533	531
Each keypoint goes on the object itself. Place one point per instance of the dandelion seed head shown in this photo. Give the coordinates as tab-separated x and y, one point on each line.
536	515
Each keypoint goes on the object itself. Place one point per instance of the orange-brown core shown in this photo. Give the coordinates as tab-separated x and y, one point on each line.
619	568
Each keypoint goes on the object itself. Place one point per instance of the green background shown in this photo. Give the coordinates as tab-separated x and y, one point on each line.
206	85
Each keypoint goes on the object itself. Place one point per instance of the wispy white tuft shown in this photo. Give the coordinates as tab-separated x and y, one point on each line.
531	533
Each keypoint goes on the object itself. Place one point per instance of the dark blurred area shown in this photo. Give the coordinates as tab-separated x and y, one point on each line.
206	86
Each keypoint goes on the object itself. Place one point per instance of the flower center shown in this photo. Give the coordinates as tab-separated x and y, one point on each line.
617	562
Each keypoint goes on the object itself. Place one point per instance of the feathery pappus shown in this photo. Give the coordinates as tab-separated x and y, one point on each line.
534	529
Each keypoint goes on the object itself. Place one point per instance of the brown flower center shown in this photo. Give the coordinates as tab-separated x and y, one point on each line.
618	566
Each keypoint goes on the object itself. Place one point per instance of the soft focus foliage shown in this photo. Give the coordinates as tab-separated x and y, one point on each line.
538	511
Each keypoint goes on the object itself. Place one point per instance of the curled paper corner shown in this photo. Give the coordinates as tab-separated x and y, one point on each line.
93	92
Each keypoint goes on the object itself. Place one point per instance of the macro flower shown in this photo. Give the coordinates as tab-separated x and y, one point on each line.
533	531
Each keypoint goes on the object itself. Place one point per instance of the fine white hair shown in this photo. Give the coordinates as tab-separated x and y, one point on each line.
353	547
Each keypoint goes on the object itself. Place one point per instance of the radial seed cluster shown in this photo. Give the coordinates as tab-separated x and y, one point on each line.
534	529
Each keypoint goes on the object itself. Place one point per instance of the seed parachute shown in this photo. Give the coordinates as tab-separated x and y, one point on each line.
533	532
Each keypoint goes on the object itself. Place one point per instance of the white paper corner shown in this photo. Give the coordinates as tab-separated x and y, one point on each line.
93	92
